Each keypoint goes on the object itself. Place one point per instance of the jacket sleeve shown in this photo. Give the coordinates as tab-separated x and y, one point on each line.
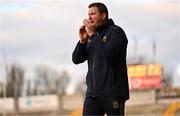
79	54
114	43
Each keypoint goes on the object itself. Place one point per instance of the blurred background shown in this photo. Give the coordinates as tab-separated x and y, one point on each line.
37	38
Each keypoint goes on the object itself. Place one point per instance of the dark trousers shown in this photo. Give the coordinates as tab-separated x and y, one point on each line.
103	105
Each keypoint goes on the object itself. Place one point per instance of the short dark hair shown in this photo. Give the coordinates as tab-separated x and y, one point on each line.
101	7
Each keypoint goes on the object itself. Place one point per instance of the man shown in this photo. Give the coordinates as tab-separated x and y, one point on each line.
103	44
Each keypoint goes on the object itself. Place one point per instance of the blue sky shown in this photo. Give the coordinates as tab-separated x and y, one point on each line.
46	31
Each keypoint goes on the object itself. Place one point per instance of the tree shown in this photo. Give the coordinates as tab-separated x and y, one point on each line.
53	81
167	79
42	72
81	88
15	78
1	89
62	84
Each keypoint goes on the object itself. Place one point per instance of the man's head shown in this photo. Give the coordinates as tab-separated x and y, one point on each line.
98	13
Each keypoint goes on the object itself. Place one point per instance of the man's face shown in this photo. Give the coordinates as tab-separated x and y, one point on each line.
96	17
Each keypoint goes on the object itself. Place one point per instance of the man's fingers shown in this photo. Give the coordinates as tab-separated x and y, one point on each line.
82	27
85	21
89	24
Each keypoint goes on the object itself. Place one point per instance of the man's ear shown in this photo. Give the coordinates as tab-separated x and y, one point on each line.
104	15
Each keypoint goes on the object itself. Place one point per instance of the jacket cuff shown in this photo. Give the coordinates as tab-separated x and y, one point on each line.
80	44
93	36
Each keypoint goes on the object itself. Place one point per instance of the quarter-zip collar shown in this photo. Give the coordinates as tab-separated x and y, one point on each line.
104	26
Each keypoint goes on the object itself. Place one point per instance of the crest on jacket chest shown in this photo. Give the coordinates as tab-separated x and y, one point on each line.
104	39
